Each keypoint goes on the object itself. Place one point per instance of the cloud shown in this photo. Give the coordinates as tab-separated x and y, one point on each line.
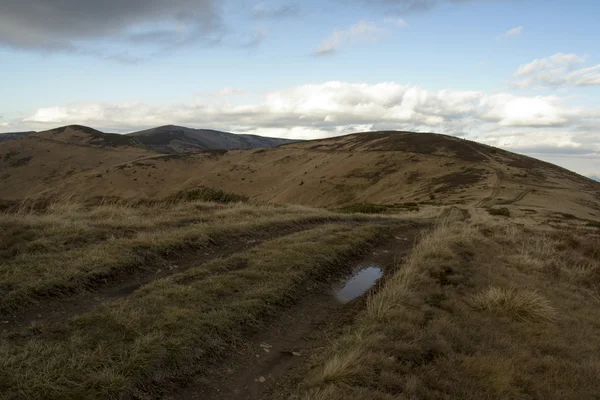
555	71
262	11
74	25
360	31
395	21
411	6
230	91
532	124
514	32
254	39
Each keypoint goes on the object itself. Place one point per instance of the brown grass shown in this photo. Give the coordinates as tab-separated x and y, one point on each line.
69	247
173	327
521	305
461	319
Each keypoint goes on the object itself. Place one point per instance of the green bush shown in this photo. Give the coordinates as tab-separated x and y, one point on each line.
503	212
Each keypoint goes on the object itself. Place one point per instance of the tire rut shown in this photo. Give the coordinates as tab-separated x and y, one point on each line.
517	198
272	363
49	310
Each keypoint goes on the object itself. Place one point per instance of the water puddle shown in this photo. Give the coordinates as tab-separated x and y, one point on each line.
363	278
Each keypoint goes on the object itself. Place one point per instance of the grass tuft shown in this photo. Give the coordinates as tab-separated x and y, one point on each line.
520	305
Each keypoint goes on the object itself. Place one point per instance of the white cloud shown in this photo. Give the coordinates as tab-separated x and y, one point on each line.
543	124
514	32
229	91
395	21
263	10
360	31
557	70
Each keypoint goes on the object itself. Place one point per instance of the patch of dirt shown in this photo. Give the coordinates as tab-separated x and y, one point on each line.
271	364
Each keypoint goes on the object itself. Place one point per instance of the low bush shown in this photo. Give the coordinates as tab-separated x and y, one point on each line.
502	212
365	208
204	193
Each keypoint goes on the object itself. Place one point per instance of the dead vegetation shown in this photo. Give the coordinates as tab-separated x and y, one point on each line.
486	310
174	327
68	247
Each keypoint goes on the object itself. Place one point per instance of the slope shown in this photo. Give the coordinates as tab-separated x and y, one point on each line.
179	139
377	167
40	161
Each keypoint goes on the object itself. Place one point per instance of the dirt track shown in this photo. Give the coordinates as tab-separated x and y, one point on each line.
110	290
273	362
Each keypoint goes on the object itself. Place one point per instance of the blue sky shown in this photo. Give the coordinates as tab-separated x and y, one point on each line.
519	74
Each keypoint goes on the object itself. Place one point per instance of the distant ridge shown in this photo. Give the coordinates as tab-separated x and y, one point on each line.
595	177
179	139
4	137
86	136
168	139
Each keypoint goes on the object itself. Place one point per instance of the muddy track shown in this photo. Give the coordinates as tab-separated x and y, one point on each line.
489	200
49	310
517	198
272	363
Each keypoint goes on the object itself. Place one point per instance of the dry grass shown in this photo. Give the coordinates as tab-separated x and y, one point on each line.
461	319
173	327
521	305
69	247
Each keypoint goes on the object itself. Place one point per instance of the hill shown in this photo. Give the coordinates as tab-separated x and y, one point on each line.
13	135
86	136
386	168
41	161
137	276
179	139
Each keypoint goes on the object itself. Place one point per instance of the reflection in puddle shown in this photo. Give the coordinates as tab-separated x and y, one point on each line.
362	280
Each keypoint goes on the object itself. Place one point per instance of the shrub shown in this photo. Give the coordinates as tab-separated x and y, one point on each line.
503	212
364	208
205	193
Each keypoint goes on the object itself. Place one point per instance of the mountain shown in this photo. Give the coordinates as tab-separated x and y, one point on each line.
86	136
179	139
372	167
595	177
13	135
42	161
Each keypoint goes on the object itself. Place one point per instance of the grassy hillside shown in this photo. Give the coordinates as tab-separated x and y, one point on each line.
383	168
186	298
172	139
479	310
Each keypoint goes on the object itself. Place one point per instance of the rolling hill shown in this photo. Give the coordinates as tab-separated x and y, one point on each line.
179	139
373	167
477	280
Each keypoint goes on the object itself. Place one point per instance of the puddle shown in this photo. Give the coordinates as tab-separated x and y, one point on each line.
356	285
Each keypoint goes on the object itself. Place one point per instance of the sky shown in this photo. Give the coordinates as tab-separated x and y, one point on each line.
523	75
